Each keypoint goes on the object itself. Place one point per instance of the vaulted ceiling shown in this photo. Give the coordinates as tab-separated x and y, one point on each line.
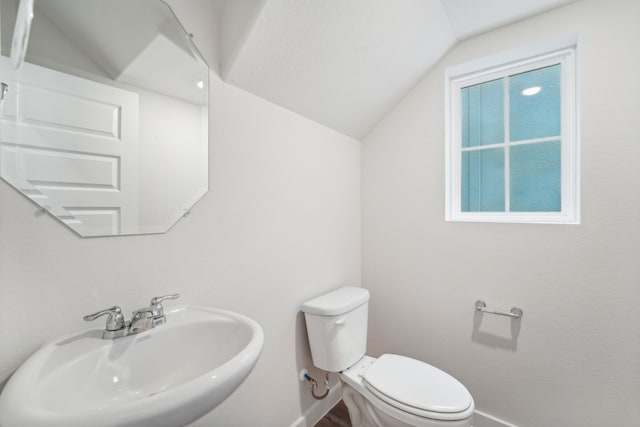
346	63
341	63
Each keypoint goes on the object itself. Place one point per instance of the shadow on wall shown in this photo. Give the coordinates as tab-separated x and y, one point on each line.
312	409
2	384
492	336
303	361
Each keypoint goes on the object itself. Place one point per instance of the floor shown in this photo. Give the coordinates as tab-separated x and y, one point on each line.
337	417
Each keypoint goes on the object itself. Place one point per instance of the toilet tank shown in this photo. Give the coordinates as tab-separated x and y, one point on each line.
337	327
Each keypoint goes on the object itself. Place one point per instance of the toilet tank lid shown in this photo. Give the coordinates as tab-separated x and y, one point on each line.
337	302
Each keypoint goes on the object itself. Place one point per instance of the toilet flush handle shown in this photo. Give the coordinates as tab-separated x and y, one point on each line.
340	321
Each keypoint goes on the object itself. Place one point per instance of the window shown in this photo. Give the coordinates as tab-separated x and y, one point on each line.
512	139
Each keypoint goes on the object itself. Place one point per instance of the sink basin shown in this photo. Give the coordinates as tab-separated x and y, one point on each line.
167	376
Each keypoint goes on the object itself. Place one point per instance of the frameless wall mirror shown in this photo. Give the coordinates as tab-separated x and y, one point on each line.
105	124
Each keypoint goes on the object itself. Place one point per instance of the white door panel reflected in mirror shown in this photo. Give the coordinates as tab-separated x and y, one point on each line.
105	125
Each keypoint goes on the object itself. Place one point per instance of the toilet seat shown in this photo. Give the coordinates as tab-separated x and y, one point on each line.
418	388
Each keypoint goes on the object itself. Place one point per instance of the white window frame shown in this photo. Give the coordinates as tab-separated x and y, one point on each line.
528	58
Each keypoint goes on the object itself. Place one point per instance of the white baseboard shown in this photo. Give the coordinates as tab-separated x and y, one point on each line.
320	408
482	419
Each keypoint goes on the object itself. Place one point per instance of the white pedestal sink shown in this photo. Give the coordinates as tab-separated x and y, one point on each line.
167	376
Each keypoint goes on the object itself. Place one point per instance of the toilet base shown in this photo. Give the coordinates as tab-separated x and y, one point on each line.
367	410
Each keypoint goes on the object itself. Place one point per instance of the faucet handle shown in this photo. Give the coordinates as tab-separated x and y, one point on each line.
158	310
115	321
158	300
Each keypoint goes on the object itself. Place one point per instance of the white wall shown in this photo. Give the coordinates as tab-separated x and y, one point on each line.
172	157
236	20
576	359
50	39
202	19
280	224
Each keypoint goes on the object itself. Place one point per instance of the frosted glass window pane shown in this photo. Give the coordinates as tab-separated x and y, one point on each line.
535	177
483	180
536	115
483	114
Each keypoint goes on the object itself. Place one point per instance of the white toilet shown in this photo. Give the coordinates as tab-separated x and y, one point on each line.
391	391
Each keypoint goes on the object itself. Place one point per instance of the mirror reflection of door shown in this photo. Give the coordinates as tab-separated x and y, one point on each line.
106	125
70	145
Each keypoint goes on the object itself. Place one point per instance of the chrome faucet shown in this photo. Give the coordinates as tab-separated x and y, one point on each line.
151	316
141	320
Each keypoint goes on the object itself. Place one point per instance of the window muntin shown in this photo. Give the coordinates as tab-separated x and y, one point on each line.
511	136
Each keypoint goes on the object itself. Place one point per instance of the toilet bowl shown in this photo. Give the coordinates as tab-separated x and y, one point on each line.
390	391
419	403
